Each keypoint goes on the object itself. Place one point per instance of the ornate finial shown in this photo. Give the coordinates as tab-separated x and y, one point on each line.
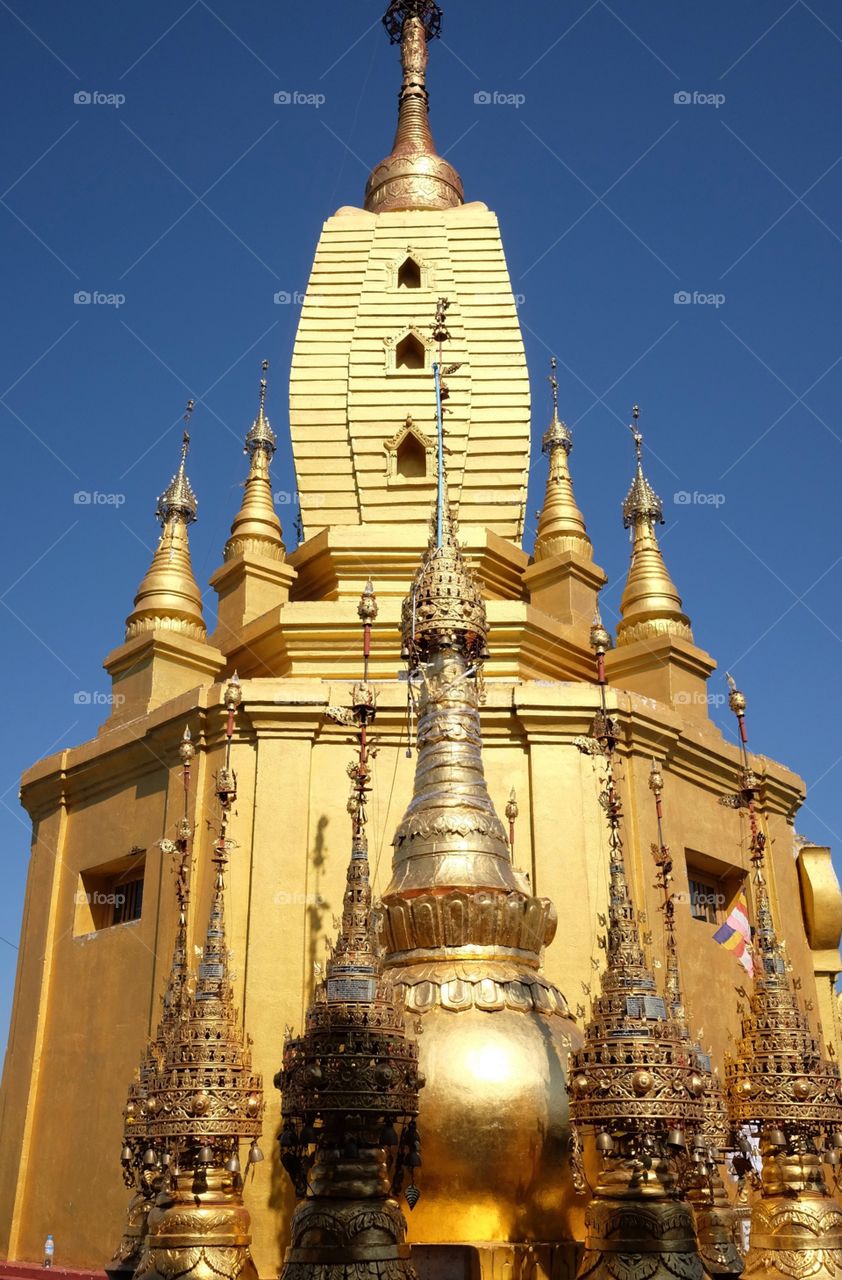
600	640
178	499
553	381
512	813
261	435
413	175
558	434
642	502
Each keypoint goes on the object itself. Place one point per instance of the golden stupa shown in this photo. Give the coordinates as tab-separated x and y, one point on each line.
483	945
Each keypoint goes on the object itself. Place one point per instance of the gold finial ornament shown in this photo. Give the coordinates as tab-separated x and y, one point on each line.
650	605
169	598
413	175
143	1169
256	529
561	525
782	1089
350	1084
463	935
204	1101
635	1085
717	1225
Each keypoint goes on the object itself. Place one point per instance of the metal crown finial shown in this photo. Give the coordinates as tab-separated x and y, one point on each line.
553	381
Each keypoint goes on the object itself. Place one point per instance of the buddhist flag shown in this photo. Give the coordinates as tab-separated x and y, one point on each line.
735	933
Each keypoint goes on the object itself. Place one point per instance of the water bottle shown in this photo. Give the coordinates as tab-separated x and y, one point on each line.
49	1250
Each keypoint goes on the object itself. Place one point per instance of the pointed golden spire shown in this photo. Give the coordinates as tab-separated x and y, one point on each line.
651	605
256	527
561	525
413	175
168	597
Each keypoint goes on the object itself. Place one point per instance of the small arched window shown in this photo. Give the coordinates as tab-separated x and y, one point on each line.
409	353
411	458
409	275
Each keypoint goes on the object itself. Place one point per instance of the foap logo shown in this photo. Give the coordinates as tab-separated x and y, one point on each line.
95	98
297	98
684	698
285	899
285	498
684	298
494	299
283	298
684	498
496	98
96	298
686	98
95	698
93	498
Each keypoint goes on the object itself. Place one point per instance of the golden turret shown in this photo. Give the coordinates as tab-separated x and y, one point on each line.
463	935
352	1078
203	1100
782	1088
413	175
256	527
636	1082
143	1171
717	1224
169	598
561	525
651	605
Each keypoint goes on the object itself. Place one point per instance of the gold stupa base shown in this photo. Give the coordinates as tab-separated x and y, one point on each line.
198	1230
717	1227
354	1239
793	1237
129	1251
635	1230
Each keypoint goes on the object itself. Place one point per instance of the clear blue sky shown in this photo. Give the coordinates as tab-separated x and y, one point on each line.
198	198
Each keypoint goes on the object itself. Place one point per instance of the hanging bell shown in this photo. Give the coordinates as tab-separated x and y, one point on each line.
149	1157
126	1155
389	1137
232	1164
836	1138
604	1142
166	1159
833	1156
204	1155
413	1160
699	1143
676	1138
775	1137
255	1154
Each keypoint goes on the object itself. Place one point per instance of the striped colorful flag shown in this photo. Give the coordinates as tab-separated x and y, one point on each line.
735	933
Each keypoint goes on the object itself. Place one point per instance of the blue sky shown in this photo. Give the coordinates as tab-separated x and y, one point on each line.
197	198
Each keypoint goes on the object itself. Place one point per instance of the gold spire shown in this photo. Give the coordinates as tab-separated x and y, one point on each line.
716	1222
561	525
353	1076
413	175
781	1086
168	597
635	1081
142	1169
651	605
256	527
204	1098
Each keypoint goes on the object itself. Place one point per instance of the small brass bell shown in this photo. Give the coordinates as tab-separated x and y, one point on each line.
389	1137
604	1142
675	1138
149	1157
232	1164
775	1137
836	1139
204	1155
126	1155
255	1154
